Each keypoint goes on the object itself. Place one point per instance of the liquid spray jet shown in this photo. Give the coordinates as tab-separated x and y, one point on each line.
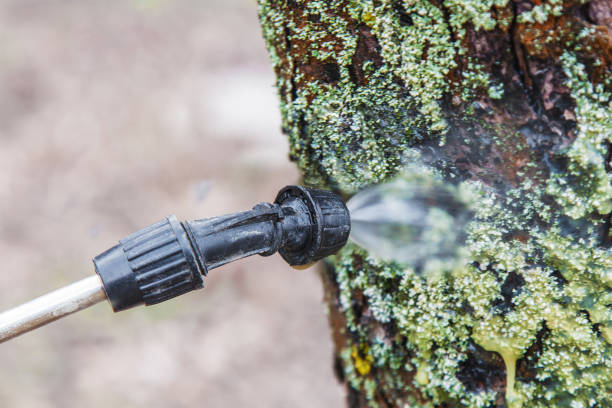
170	258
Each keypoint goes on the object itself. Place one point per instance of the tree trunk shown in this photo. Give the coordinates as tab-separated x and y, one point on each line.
510	97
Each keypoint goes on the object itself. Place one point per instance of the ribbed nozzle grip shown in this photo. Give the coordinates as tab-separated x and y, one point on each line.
163	268
150	266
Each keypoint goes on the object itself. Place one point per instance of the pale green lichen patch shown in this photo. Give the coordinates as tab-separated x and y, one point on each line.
423	313
587	154
588	273
355	133
346	136
479	13
541	12
421	54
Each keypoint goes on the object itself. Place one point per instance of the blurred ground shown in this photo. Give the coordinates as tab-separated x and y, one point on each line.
112	116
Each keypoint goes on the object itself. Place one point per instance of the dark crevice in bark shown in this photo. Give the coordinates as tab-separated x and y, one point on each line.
332	72
522	65
353	398
294	4
294	67
511	287
583	13
526	365
368	49
482	370
597	330
446	14
559	278
595	326
606	239
339	369
384	401
404	17
325	72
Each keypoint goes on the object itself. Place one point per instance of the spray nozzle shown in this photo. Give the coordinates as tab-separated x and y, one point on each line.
169	258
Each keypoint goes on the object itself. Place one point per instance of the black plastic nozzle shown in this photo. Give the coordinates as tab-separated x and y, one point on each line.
329	224
150	266
169	258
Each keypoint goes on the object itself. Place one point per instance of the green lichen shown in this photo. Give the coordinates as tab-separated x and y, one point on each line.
541	12
479	13
423	313
347	136
587	154
347	139
589	276
423	52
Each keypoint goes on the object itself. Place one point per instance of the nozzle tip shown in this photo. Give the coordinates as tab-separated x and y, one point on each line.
330	224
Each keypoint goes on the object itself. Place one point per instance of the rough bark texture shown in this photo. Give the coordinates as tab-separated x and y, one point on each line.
510	98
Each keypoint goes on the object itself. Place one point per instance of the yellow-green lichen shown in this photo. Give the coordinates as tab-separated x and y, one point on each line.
587	154
588	273
423	52
541	12
346	136
421	375
479	13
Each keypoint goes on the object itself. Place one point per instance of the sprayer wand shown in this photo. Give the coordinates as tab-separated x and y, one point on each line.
170	258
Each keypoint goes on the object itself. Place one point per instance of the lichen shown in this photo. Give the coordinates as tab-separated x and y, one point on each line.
537	287
362	359
345	138
587	154
421	54
541	12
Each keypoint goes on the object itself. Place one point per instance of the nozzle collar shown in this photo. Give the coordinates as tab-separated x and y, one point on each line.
330	224
150	266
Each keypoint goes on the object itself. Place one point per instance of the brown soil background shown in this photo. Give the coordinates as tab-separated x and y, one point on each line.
114	114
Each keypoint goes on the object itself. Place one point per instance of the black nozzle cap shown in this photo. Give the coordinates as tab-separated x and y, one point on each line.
330	224
150	266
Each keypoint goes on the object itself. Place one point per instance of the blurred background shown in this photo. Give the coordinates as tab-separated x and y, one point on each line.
114	114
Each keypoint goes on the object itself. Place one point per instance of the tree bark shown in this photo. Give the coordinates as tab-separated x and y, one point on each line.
512	98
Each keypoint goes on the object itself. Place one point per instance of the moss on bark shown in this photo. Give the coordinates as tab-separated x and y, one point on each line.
510	98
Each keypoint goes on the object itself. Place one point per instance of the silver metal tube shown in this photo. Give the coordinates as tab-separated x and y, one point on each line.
52	306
